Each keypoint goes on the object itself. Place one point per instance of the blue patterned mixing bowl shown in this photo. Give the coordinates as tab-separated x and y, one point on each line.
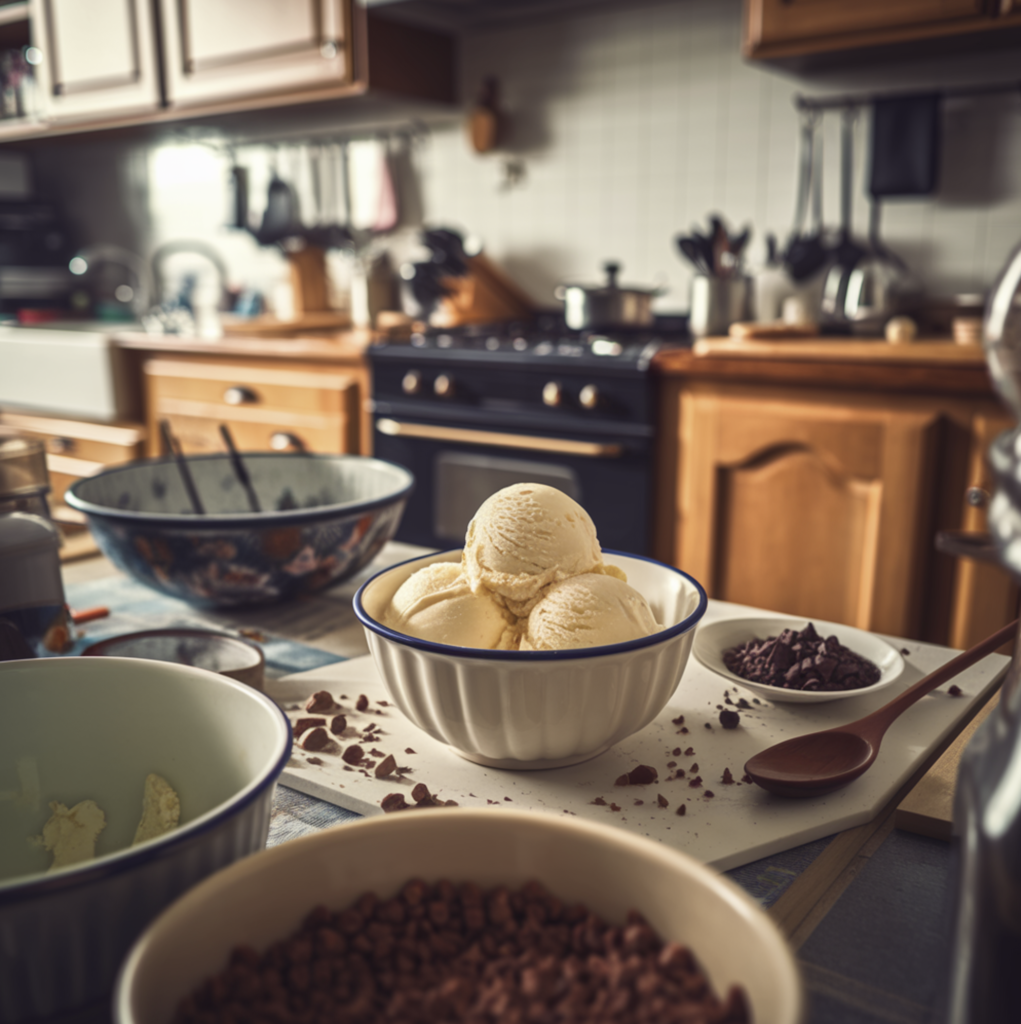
324	518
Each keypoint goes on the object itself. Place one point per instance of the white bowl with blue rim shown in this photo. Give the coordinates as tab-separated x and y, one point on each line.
536	709
75	729
321	519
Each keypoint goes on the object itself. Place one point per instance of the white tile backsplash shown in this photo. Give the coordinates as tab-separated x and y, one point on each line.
634	122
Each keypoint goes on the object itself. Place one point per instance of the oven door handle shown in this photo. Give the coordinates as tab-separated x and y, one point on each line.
562	446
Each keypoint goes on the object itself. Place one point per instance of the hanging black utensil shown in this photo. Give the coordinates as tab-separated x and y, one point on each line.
847	253
280	219
806	253
172	447
905	145
240	470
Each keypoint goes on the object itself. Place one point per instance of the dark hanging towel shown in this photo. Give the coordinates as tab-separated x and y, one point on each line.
905	145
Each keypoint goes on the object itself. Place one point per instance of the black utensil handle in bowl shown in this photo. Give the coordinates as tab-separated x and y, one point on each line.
174	449
240	470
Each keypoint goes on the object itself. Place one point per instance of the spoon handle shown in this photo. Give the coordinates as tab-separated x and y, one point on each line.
873	726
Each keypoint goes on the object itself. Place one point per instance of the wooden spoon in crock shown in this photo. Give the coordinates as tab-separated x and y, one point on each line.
821	762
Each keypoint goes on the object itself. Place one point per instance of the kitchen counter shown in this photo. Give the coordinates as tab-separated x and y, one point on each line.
867	910
922	366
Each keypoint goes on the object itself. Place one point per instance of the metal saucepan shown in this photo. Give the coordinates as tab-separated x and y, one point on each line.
608	305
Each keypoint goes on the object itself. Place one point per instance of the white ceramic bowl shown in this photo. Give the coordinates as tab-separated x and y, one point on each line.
265	898
713	640
536	709
94	728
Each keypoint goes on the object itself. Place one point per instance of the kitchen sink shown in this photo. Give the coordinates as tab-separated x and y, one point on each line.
66	368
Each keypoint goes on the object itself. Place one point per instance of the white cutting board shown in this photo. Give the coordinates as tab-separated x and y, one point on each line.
739	824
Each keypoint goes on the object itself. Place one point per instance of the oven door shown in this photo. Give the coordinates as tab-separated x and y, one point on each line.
457	468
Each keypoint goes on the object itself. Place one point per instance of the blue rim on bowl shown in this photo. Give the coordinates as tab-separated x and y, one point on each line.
578	652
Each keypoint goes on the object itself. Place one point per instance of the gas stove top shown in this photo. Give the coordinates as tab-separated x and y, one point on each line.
548	340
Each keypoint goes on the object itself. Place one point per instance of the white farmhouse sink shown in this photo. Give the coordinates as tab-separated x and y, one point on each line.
70	369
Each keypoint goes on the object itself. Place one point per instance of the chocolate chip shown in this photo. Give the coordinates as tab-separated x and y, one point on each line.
353	754
385	767
320	701
394	802
408	750
730	719
955	691
421	793
728	779
709	793
689	752
696	782
682	810
315	739
599	801
315	760
338	723
622	780
304	724
362	703
662	800
642	775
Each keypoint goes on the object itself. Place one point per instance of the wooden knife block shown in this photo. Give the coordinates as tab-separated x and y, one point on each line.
484	295
309	282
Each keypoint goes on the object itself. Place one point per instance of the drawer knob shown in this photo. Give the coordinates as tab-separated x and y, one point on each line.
240	395
552	393
281	441
443	386
411	382
589	397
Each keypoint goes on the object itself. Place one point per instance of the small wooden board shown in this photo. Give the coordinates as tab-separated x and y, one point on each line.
928	809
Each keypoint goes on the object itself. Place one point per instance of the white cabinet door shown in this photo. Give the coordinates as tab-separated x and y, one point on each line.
231	49
98	57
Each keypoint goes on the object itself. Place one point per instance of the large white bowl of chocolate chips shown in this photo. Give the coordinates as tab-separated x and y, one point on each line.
798	660
123	782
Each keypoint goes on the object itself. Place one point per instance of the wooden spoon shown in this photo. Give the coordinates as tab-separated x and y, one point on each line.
821	762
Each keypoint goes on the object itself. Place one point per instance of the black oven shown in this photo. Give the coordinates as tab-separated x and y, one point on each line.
474	410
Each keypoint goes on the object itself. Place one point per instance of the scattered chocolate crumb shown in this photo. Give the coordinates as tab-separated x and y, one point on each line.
709	725
662	800
383	703
671	764
904	651
689	752
315	760
421	793
682	810
488	801
719	707
747	778
508	799
696	782
393	802
614	807
599	802
347	767
743	704
755	700
680	773
684	731
622	780
679	720
320	701
676	751
694	767
728	779
642	775
378	753
304	724
638	803
338	723
955	691
709	793
408	750
315	739
386	767
730	719
727	700
353	754
362	703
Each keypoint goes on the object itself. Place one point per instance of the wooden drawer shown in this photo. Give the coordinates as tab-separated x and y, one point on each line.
266	408
108	444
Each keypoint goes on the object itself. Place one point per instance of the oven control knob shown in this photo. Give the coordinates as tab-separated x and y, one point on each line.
411	382
552	394
589	396
443	386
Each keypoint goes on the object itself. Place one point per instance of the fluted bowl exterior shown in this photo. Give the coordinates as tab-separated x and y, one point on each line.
536	709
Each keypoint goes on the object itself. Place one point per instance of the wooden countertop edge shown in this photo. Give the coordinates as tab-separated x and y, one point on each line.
343	347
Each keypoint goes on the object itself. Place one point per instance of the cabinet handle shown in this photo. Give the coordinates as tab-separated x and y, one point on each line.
240	395
977	497
60	445
281	441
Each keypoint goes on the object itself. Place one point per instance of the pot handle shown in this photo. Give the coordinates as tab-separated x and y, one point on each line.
612	269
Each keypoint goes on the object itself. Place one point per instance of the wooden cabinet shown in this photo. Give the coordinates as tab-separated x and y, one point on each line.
267	405
825	501
220	49
797	28
98	57
76	449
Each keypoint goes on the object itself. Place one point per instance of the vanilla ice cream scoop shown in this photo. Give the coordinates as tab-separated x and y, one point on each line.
525	537
437	604
587	611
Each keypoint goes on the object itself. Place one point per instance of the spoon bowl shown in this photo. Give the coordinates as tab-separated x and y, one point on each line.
812	765
821	762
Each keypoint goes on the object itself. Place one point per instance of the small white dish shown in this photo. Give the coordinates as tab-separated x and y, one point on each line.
712	640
